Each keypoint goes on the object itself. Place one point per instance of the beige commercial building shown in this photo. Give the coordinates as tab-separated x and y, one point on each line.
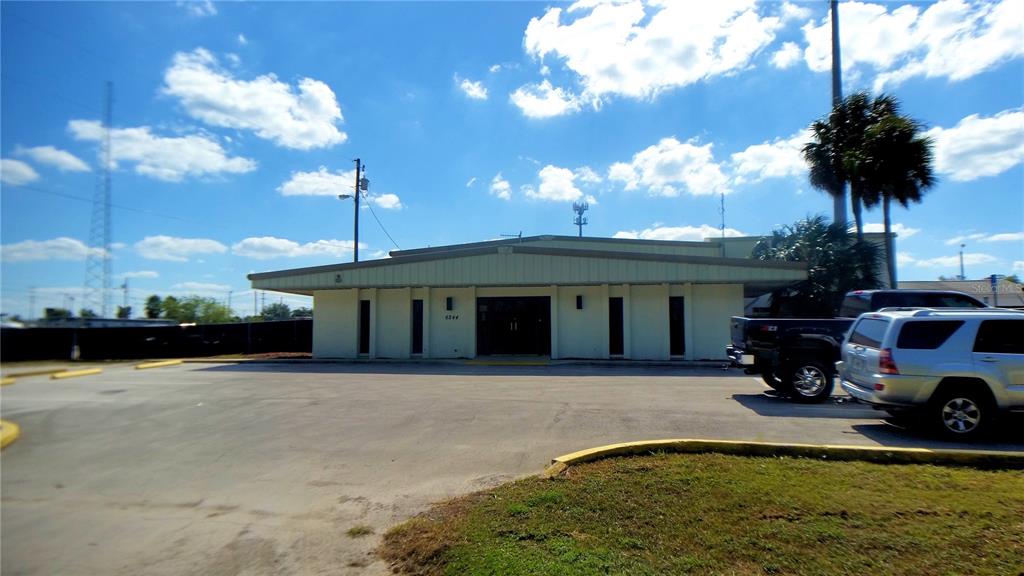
549	296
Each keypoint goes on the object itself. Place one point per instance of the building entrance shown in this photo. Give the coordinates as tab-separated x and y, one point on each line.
513	326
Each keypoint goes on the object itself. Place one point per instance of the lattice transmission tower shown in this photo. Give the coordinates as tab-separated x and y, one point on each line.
97	264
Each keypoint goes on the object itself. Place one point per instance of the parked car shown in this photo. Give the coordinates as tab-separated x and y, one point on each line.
958	370
797	356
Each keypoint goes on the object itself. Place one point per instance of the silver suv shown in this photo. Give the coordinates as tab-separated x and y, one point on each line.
957	369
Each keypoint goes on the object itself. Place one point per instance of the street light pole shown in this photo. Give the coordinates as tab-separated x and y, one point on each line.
355	246
962	277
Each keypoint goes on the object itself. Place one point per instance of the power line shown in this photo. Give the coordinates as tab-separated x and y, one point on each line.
370	205
84	199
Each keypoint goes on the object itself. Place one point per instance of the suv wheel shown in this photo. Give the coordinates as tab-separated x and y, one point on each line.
808	381
962	414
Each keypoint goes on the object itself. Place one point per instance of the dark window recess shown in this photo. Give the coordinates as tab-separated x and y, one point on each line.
417	326
676	326
579	301
449	303
615	324
869	332
925	335
364	326
1000	337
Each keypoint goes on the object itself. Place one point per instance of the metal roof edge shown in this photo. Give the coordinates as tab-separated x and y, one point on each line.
547	237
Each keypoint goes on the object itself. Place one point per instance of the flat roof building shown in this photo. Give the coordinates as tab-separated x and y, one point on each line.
553	296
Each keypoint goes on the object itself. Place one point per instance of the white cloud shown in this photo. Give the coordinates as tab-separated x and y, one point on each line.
233	58
140	274
387	201
786	56
682	233
269	247
904	258
242	39
776	159
201	287
320	183
494	68
470	182
198	8
633	50
790	11
897	228
16	173
556	185
303	117
959	239
670	167
544	100
164	158
952	39
586	174
1018	266
59	159
980	146
500	187
1006	237
176	249
474	90
62	248
970	259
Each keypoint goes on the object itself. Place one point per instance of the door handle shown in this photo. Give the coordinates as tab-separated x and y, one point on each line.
989	359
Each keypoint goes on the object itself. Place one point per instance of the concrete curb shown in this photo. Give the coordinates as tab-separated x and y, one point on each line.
74	373
41	372
877	454
9	432
159	364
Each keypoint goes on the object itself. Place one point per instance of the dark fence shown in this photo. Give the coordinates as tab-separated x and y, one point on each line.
156	341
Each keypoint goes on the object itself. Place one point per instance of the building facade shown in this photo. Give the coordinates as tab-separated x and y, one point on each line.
548	296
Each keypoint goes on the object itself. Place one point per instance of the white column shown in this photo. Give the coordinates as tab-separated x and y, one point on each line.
605	325
688	320
554	322
372	294
627	325
426	322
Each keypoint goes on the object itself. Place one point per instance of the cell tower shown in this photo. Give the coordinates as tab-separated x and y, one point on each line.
579	208
97	264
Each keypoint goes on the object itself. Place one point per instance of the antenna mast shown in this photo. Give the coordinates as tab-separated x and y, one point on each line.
721	210
579	208
98	263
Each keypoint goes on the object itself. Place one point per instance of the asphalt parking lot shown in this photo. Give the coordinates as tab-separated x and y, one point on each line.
220	469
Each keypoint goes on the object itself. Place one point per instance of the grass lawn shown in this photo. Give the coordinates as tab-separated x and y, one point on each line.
718	514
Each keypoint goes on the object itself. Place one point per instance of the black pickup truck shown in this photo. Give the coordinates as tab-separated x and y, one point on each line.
797	356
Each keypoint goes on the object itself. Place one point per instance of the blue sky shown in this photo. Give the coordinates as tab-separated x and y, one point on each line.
235	126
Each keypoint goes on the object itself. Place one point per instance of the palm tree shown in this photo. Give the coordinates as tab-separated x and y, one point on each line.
895	164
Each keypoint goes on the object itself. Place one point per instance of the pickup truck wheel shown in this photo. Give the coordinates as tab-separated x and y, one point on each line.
963	415
810	381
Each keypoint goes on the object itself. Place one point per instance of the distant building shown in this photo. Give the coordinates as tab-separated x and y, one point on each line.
1008	294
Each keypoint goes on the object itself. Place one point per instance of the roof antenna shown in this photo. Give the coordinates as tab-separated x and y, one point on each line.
579	208
721	210
519	236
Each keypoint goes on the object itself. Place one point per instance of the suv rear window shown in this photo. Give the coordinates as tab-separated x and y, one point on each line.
869	332
854	305
926	335
1000	337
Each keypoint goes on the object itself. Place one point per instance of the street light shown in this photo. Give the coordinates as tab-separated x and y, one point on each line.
362	184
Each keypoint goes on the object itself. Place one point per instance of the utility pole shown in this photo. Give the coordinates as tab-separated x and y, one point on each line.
255	311
355	245
98	262
839	200
31	302
124	287
962	277
229	301
721	210
579	208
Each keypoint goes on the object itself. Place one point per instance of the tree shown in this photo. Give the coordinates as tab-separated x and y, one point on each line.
279	311
195	309
87	313
153	306
170	308
56	313
835	156
302	313
836	263
895	164
1013	278
124	311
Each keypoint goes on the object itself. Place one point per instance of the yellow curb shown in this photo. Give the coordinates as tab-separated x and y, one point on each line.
9	432
506	363
73	373
6	380
40	372
160	364
878	454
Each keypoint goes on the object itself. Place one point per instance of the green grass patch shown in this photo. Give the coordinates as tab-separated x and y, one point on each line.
719	514
359	531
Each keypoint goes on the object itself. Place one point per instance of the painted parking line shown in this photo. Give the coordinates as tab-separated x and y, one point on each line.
9	432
